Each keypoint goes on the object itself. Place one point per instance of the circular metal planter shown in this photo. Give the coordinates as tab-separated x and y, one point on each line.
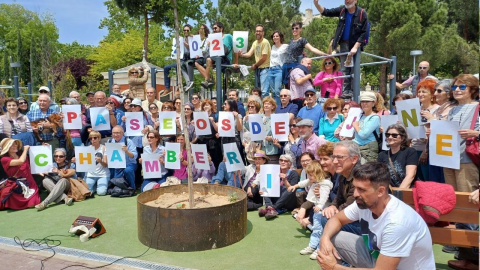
191	229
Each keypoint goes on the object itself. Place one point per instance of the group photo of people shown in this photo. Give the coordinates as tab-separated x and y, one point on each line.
336	172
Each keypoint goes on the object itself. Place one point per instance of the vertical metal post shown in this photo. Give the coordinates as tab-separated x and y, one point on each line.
49	85
356	75
393	82
413	70
110	80
153	80
29	87
16	86
218	66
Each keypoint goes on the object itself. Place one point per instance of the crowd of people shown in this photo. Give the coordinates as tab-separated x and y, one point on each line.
328	182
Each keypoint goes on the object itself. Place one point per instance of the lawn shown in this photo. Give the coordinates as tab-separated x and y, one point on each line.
271	244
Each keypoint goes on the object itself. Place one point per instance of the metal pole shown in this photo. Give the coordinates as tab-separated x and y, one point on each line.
413	70
356	76
376	56
393	82
218	66
153	76
375	63
110	80
49	84
16	86
29	86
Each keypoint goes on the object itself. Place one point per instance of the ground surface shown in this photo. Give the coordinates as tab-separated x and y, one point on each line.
271	244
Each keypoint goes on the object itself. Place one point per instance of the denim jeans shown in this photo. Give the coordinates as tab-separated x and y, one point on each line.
317	231
153	180
347	82
166	72
101	182
264	82
128	172
275	81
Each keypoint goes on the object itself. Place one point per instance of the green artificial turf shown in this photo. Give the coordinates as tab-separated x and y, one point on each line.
271	244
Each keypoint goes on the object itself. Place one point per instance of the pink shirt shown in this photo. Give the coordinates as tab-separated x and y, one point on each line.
298	90
312	144
334	87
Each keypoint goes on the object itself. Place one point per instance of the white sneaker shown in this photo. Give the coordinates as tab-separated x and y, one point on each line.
307	250
313	256
189	85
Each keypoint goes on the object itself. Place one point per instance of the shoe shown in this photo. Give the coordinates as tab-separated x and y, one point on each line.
462	265
313	256
347	95
210	84
294	211
69	201
189	85
449	249
262	212
161	92
271	214
41	206
307	250
204	84
294	216
165	93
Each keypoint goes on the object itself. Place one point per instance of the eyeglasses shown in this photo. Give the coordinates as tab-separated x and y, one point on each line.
439	91
284	95
166	108
295	28
422	67
394	135
305	161
309	95
328	63
193	98
284	160
21	103
186	30
461	86
43	91
293	126
58	156
339	158
94	138
134	72
188	109
215	28
346	109
133	105
251	107
331	108
151	137
153	108
110	102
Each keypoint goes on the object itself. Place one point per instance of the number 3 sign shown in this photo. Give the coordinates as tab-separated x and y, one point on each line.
216	44
194	44
240	41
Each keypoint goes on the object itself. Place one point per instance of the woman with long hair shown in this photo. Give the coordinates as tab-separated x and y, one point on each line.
277	59
182	173
230	105
212	142
154	147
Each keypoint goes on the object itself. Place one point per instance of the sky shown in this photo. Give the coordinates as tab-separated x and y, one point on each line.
78	20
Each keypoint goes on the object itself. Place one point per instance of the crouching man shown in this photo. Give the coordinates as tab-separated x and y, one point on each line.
393	236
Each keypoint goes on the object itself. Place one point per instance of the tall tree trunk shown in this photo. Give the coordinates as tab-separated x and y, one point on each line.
145	37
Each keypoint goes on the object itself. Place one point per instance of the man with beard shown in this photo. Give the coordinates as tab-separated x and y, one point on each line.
261	47
394	236
309	141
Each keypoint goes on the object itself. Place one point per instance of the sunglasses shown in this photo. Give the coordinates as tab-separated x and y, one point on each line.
151	137
461	87
167	108
153	108
293	126
284	95
21	103
250	106
94	138
110	102
422	67
309	95
215	28
295	28
195	97
134	72
58	156
439	91
331	108
133	105
394	135
43	91
186	30
328	63
188	109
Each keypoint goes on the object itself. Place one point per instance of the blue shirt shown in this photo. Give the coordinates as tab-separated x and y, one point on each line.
241	108
39	114
290	108
348	24
314	113
131	148
368	124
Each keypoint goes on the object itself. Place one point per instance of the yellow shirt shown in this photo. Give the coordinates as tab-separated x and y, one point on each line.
261	49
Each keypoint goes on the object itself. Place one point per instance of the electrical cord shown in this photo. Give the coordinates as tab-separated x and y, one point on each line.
52	243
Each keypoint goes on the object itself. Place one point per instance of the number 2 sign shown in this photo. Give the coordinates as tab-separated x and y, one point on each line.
240	41
216	44
194	44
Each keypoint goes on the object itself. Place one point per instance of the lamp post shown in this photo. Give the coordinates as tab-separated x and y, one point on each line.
414	54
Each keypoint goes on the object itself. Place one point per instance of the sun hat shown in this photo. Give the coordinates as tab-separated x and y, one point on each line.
368	96
6	143
260	153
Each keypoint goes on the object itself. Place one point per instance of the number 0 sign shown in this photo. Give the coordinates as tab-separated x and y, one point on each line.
216	44
194	44
240	41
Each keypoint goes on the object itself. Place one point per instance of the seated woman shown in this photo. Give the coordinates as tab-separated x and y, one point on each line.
401	159
182	173
204	176
223	177
252	181
317	177
154	147
287	200
97	180
15	124
57	182
328	124
17	166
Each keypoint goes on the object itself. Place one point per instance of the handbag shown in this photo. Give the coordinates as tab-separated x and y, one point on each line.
471	143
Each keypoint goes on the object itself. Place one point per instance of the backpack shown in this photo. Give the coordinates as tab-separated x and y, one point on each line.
367	36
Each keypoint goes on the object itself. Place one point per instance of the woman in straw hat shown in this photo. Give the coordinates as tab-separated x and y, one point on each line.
17	195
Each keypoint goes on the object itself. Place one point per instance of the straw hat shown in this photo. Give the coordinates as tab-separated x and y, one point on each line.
6	143
260	153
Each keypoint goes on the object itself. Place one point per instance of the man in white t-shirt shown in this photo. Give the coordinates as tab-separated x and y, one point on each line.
393	236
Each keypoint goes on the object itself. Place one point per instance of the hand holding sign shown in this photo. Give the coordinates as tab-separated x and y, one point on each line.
216	44
72	116
194	44
353	116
